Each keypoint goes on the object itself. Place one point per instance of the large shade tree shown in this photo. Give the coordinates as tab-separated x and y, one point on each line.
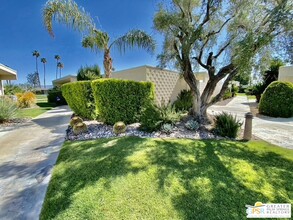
223	37
68	12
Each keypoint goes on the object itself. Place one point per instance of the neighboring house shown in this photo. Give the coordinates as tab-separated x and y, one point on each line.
168	84
286	74
6	73
66	79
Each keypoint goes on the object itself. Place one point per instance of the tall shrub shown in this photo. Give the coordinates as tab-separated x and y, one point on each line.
80	98
277	100
121	100
55	96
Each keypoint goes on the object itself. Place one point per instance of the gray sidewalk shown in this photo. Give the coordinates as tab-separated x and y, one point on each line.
27	155
277	131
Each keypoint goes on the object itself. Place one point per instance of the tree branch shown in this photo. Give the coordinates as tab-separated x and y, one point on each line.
225	70
220	29
224	88
207	15
222	50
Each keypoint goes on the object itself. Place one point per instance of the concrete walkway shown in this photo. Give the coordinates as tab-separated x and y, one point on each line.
277	131
27	155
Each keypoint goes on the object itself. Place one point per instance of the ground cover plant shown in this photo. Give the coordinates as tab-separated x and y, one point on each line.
135	178
8	109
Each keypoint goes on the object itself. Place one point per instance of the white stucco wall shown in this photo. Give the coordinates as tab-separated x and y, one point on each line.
168	84
286	74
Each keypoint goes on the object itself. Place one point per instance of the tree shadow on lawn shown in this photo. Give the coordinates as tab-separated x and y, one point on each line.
220	179
84	165
204	180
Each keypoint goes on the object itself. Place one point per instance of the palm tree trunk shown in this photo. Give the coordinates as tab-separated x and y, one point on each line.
108	65
44	75
57	69
37	64
60	71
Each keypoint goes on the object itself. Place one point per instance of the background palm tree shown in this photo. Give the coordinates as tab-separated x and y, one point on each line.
60	66
44	61
37	54
68	12
57	57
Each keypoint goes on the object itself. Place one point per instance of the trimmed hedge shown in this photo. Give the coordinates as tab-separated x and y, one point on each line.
121	100
55	96
277	100
80	98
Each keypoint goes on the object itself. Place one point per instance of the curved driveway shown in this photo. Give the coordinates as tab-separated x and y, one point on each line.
277	131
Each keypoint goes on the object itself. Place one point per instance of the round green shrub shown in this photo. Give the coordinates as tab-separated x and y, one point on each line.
119	127
75	120
277	100
79	128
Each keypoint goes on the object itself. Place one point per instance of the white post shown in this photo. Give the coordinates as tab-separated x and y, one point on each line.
1	88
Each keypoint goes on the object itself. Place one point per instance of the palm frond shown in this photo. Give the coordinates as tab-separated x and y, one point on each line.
135	38
66	12
97	40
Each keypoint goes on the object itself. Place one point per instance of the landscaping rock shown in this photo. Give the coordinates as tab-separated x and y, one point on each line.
101	130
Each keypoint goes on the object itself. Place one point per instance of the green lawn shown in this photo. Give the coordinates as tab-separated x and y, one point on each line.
252	97
42	106
135	178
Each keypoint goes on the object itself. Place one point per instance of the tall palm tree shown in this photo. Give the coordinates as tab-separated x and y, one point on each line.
57	57
44	61
68	12
37	54
60	66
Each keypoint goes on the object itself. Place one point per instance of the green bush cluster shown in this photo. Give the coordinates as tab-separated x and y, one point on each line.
55	96
89	73
227	125
277	100
153	118
234	90
227	94
11	89
121	100
184	101
80	98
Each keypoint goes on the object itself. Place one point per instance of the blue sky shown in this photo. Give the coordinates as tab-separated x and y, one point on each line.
22	31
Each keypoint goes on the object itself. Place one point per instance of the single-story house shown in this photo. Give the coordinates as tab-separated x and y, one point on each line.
286	74
66	79
6	73
168	84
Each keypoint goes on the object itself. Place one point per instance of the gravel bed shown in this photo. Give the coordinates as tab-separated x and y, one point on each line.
100	130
